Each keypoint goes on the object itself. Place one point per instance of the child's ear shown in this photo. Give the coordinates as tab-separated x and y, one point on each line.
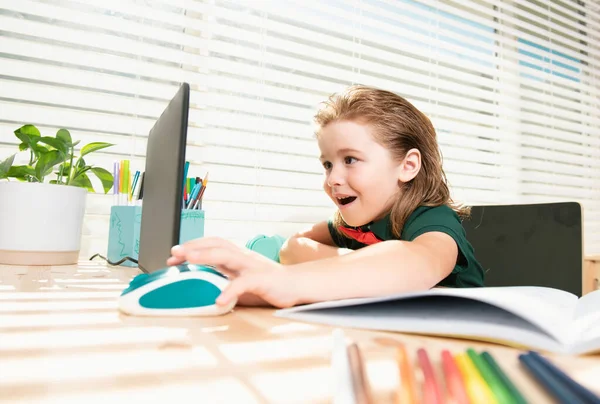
410	165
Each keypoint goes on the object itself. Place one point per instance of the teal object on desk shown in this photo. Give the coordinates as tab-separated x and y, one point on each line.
181	290
268	246
124	231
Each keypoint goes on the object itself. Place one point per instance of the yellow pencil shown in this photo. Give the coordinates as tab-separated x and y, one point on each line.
477	389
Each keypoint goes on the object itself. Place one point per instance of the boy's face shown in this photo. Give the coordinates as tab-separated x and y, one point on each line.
361	177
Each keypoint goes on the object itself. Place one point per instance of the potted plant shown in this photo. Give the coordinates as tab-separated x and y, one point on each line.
42	202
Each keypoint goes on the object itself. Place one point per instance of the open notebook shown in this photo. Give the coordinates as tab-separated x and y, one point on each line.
528	317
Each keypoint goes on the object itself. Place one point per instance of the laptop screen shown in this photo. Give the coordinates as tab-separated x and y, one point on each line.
163	183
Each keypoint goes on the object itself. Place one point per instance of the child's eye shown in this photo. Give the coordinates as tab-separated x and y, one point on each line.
349	160
327	165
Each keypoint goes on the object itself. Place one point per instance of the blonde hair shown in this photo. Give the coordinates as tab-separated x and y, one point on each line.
399	127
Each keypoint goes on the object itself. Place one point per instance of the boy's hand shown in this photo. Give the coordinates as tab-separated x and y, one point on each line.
248	271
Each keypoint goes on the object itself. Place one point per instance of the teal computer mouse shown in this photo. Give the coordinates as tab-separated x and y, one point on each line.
182	290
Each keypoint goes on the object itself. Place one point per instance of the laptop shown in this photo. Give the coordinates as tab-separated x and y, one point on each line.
163	183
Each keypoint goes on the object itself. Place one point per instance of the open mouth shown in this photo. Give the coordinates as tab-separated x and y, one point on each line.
346	200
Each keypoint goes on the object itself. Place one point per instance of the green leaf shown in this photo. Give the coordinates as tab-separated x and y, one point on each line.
28	130
83	181
95	146
105	177
5	166
23	146
80	171
76	143
21	172
65	136
27	134
65	169
80	163
46	162
58	144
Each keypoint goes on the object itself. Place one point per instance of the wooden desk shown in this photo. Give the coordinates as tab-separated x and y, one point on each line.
62	340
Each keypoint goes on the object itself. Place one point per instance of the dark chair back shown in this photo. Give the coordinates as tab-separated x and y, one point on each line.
529	245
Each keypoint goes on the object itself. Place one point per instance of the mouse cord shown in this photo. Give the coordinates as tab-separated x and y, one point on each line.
119	262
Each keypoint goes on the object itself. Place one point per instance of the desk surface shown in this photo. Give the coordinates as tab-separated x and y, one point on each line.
64	341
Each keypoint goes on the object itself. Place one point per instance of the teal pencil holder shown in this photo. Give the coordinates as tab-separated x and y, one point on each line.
124	231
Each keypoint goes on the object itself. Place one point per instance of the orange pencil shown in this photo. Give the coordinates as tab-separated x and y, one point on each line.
204	182
454	382
407	393
431	389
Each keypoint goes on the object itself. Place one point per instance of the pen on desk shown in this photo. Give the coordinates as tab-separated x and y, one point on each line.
406	393
580	390
453	379
432	393
477	390
556	381
516	396
543	376
360	385
495	384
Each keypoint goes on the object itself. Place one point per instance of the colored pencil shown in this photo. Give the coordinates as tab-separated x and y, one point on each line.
583	393
516	395
126	180
500	392
116	183
548	380
431	390
360	385
406	393
477	390
186	167
455	386
204	182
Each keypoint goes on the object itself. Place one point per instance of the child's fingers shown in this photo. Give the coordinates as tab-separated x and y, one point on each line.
218	257
234	290
175	260
202	243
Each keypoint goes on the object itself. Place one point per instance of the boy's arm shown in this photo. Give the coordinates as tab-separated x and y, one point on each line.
384	268
313	244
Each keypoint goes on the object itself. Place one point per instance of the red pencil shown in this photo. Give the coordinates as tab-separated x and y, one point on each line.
454	382
432	393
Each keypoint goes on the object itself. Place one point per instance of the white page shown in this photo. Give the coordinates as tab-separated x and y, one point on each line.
459	317
586	330
550	309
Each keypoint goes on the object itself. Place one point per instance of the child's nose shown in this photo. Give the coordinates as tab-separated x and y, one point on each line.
336	177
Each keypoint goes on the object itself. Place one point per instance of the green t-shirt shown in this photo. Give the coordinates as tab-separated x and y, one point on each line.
466	273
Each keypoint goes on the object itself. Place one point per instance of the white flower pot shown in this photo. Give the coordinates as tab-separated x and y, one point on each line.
40	224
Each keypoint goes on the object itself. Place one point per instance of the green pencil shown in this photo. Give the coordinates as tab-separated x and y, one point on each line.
496	386
515	394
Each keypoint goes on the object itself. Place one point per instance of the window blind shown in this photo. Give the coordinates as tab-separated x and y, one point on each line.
511	87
